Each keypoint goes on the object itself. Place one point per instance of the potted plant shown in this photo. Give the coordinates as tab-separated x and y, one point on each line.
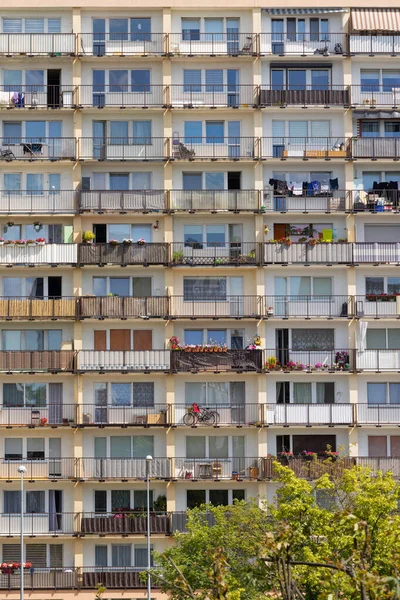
113	242
174	342
270	311
285	457
308	456
40	241
43	421
312	242
286	241
127	241
88	237
160	504
30	243
20	242
141	242
318	366
272	241
10	242
2	241
177	256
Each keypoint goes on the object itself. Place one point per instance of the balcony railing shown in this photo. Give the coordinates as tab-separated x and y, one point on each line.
303	44
38	416
47	361
232	468
27	202
38	254
375	44
124	524
305	253
310	414
307	469
122	468
37	149
192	43
376	252
56	578
377	414
122	148
38	96
38	44
122	307
378	360
46	468
235	415
302	147
213	96
123	254
383	464
113	577
112	414
292	361
305	95
28	308
121	44
122	201
229	307
370	96
122	96
123	360
307	307
378	147
214	201
195	254
214	148
216	361
377	306
39	524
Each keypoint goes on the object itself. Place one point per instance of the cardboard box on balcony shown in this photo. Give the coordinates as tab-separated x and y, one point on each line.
323	153
156	419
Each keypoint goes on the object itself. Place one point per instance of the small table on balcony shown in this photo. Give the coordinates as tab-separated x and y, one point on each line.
205	471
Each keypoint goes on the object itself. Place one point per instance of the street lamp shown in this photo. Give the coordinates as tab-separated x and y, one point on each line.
149	459
22	471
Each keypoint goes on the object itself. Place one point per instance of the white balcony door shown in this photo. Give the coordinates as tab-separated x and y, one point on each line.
236	302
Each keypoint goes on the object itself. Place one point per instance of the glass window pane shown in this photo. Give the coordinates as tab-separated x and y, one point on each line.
192	80
140	80
141	287
313	339
100	286
218	393
34	25
54	25
195	446
100	394
11	340
376	393
118	132
376	339
13	79
369	128
119	231
238	495
302	393
118	80
142	446
141	232
390	80
392	129
393	285
214	80
141	132
35	449
12	182
35	130
216	336
214	132
193	236
118	29
119	286
13	448
119	181
121	555
34	79
13	394
374	285
195	392
190	29
394	393
12	502
120	500
143	394
192	181
207	288
12	286
277	79
35	501
296	79
121	394
322	286
215	181
219	497
141	29
193	337
12	233
325	392
34	183
218	446
369	80
195	498
12	132
141	181
300	286
193	132
141	500
120	447
34	340
393	339
215	235
12	25
35	394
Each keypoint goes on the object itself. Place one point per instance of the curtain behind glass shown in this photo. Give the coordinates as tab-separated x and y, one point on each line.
218	446
302	393
121	555
120	447
195	446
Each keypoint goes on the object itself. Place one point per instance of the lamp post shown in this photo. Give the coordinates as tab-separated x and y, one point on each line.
22	471
148	467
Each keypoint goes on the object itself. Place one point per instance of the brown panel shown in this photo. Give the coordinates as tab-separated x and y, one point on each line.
100	340
280	230
395	446
143	339
120	339
377	446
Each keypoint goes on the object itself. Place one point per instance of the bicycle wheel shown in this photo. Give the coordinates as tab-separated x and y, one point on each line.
209	418
189	419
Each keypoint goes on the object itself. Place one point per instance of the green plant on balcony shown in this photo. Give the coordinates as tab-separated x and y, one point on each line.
177	256
88	237
160	504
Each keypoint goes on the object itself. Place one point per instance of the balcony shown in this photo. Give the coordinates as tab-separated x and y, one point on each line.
47	361
229	307
332	201
375	148
383	464
93	415
28	308
325	148
38	96
213	96
124	523
137	149
39	469
113	577
122	201
305	253
215	469
194	43
375	44
122	468
233	415
308	307
214	201
307	469
37	44
311	414
377	414
214	148
38	416
26	202
122	44
378	360
208	359
122	96
308	95
371	96
195	254
35	524
303	44
376	253
38	254
62	578
123	360
119	307
31	149
322	361
377	306
123	254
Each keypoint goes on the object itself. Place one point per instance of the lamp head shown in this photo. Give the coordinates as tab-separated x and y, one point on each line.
149	457
21	469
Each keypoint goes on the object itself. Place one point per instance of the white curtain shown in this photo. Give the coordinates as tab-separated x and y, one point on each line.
361	335
302	393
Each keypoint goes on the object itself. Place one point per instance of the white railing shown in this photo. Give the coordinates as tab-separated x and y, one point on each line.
132	360
378	360
310	414
38	254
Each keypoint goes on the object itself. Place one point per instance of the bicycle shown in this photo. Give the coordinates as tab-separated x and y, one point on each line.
204	415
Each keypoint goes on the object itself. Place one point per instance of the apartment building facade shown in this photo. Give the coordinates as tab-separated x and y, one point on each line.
237	168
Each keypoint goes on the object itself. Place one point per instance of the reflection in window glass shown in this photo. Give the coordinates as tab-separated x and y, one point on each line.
120	394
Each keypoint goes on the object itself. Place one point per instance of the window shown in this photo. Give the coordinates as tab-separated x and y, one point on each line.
12	25
121	394
383	393
312	339
214	181
35	80
121	555
141	181
195	447
35	502
206	288
382	285
140	80
35	449
119	133
12	132
141	29
118	81
12	182
24	394
119	286
390	80
215	235
214	80
141	132
219	497
195	498
213	29
118	29
13	449
190	29
34	339
193	132
215	132
302	393
192	181
383	339
307	286
120	500
193	236
143	394
369	129
192	80
12	502
392	129
34	25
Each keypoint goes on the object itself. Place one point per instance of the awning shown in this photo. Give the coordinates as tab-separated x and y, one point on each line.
303	11
375	19
358	114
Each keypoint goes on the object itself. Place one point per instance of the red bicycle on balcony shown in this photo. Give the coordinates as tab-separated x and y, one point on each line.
195	415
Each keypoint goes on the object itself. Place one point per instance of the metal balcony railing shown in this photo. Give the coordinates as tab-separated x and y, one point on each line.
303	44
307	469
227	307
124	254
208	359
305	95
56	578
28	361
305	147
124	522
377	414
194	43
113	577
384	464
38	468
372	44
122	468
38	44
121	148
235	415
123	360
297	360
121	307
378	360
370	96
308	307
377	147
376	252
36	148
214	201
38	254
122	201
377	306
38	416
39	524
306	253
122	44
38	96
129	415
214	148
209	468
216	254
29	308
122	96
310	414
30	202
213	96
